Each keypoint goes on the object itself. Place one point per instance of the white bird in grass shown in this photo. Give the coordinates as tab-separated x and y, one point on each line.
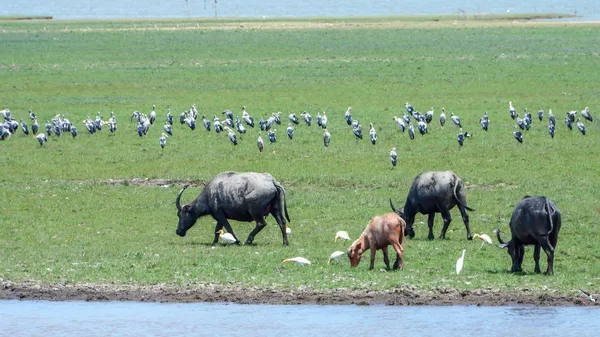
394	156
455	120
163	140
460	262
442	118
326	138
226	238
299	260
288	230
342	235
485	238
335	255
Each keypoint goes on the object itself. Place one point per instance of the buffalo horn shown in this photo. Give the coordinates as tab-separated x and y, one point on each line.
177	201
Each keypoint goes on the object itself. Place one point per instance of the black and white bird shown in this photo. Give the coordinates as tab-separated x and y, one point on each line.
232	136
422	126
247	118
41	137
571	115
260	143
324	120
348	116
262	124
528	119
551	117
411	131
319	119
429	116
294	119
48	128
400	123
240	127
206	123
272	136
169	116
307	117
290	131
580	126
586	114
74	131
191	122
163	140
32	116
569	123
25	128
511	110
372	134
484	123
517	134
393	157
541	114
168	129
455	120
357	132
442	118
520	122
35	127
409	108
218	126
587	295
181	117
551	129
326	138
152	114
460	137
229	114
269	123
406	118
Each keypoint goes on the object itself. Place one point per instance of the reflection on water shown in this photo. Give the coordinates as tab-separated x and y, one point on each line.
101	9
42	318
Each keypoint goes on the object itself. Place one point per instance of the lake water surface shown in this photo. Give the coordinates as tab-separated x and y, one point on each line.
44	318
102	9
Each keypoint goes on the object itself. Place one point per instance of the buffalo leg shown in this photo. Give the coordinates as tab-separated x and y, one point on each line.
260	224
465	217
518	258
550	252
218	227
281	222
447	219
222	222
399	255
536	258
386	258
430	225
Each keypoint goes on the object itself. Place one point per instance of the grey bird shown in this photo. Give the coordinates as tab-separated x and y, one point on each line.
551	117
569	123
163	140
484	123
153	114
511	110
411	131
294	119
24	128
73	131
357	132
272	136
541	114
348	116
409	108
400	123
429	116
229	114
232	136
393	157
460	137
260	143
206	123
307	117
422	126
580	126
442	118
326	138
48	129
586	114
518	135
169	116
35	127
455	120
372	134
290	131
240	127
571	115
551	128
168	129
41	138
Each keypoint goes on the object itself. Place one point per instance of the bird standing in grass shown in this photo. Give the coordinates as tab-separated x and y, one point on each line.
163	140
518	135
541	114
342	235
411	131
551	117
41	137
551	130
455	119
272	136
260	143
290	131
442	118
168	129
460	137
580	126
586	114
348	116
372	134
226	238
335	255
326	138
393	157
299	260
232	136
460	262
511	110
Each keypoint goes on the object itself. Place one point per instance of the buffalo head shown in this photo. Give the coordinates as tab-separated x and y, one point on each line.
509	246
187	215
408	230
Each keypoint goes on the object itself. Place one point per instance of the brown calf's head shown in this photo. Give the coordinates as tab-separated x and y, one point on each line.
354	253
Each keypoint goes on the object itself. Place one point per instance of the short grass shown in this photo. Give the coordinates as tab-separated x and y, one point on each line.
60	223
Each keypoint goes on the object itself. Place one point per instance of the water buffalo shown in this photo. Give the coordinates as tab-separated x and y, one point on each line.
534	221
435	192
236	196
380	232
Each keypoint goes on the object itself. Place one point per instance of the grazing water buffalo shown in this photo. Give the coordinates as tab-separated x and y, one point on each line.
435	192
380	232
236	196
534	221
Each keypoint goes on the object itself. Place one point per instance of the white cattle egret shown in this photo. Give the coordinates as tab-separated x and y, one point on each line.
342	235
485	238
260	143
226	238
299	260
335	255
288	230
460	262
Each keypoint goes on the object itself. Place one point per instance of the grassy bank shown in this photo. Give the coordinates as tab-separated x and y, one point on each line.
60	222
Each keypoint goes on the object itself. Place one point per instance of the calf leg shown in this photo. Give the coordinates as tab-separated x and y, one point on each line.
430	225
386	258
260	224
545	243
399	255
373	252
447	219
465	217
536	257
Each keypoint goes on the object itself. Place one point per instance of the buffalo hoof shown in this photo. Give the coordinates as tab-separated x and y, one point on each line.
431	237
469	236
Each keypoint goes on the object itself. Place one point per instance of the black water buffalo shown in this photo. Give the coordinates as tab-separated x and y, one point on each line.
435	192
236	196
534	221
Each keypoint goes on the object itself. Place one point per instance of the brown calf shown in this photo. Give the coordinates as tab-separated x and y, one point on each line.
380	232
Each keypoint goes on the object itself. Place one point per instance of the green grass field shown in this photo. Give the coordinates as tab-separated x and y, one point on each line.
60	223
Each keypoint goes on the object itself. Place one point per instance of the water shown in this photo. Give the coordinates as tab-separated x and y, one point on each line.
103	9
43	318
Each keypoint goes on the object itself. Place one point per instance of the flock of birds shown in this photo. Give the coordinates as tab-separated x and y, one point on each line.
235	127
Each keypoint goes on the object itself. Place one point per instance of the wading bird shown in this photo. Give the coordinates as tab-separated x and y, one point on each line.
460	262
422	126
341	235
372	134
586	114
324	121
299	260
307	117
411	131
569	123
335	255
551	130
460	137
74	131
229	114
587	295
409	108
290	131
326	138
455	119
520	122
35	127
232	136
41	138
319	119
272	136
226	238
260	143
406	118
169	116
152	114
541	114
511	110
442	118
24	128
551	117
163	140
168	128
294	119
348	116
483	237
393	157
400	123
206	123
484	123
580	126
517	134
429	116
357	132
571	115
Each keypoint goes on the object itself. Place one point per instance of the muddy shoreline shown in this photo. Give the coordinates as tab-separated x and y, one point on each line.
254	295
